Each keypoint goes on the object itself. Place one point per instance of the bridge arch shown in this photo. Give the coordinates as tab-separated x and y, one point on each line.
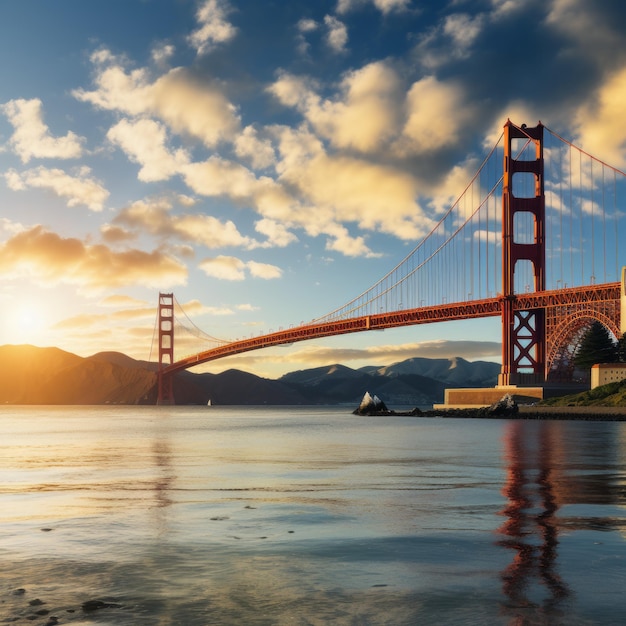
562	342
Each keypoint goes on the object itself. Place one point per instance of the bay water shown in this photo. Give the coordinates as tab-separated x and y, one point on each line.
195	516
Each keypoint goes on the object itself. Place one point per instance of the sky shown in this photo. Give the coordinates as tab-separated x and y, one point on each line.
267	161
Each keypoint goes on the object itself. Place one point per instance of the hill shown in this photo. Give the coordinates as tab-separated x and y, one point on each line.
34	375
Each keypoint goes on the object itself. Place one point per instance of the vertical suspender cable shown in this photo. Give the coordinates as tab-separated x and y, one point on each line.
617	272
561	211
593	253
582	256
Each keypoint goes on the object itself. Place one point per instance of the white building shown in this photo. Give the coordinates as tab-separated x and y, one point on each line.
605	373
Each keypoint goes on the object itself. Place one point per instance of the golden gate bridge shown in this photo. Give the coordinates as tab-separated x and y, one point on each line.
534	238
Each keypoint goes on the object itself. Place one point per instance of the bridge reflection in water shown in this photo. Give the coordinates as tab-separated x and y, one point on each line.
530	529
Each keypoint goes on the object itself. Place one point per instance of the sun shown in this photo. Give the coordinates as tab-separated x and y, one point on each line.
26	323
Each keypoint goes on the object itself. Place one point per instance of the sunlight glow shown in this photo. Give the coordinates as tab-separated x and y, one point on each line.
26	323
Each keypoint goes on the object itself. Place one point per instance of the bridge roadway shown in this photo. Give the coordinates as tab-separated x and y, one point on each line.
490	307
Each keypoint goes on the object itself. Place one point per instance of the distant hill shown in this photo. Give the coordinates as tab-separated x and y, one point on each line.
416	381
455	371
32	375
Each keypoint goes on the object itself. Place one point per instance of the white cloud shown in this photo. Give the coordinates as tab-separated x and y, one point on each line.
347	189
384	6
217	177
463	29
162	54
258	151
307	25
231	268
263	270
214	28
31	137
81	189
190	107
294	91
600	121
224	268
436	112
364	116
154	217
144	141
337	36
276	233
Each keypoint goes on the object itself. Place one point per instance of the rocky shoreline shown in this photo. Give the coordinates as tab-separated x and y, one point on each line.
592	413
506	408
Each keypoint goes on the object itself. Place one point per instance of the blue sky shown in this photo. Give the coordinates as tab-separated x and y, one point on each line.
267	161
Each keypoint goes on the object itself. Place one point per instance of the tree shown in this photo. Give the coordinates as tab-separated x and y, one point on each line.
621	349
596	346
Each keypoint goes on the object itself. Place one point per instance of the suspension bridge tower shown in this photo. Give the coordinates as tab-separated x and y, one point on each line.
523	331
166	347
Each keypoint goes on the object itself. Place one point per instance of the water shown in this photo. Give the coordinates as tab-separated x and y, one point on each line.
229	515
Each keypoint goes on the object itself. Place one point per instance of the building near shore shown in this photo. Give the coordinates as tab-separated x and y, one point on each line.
605	373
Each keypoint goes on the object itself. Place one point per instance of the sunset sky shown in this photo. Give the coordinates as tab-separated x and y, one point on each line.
267	161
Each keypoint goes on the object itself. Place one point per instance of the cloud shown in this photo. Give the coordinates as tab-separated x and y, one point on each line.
11	227
259	152
384	6
162	54
80	189
337	36
214	28
600	121
436	113
184	103
307	25
224	268
116	234
144	141
31	137
49	259
463	30
154	217
263	270
347	189
374	114
590	28
195	308
363	117
276	233
217	176
121	301
232	268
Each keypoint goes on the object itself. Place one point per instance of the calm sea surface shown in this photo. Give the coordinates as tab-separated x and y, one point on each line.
235	515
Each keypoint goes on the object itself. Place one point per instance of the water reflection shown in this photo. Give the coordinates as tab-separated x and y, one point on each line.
162	484
530	528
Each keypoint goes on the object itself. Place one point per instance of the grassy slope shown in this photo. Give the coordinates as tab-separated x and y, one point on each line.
613	394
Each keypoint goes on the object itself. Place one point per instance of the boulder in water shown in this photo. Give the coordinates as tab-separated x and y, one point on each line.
371	405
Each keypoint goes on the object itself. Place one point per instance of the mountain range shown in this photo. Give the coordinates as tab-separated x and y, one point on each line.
33	375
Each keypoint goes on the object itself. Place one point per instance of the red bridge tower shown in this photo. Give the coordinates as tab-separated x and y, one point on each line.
523	331
166	347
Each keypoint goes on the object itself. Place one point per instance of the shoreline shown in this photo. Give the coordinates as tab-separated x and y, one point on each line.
528	412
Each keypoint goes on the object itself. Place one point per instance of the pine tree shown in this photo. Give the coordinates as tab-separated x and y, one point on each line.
621	349
596	346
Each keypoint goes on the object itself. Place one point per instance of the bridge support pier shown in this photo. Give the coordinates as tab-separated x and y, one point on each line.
166	348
